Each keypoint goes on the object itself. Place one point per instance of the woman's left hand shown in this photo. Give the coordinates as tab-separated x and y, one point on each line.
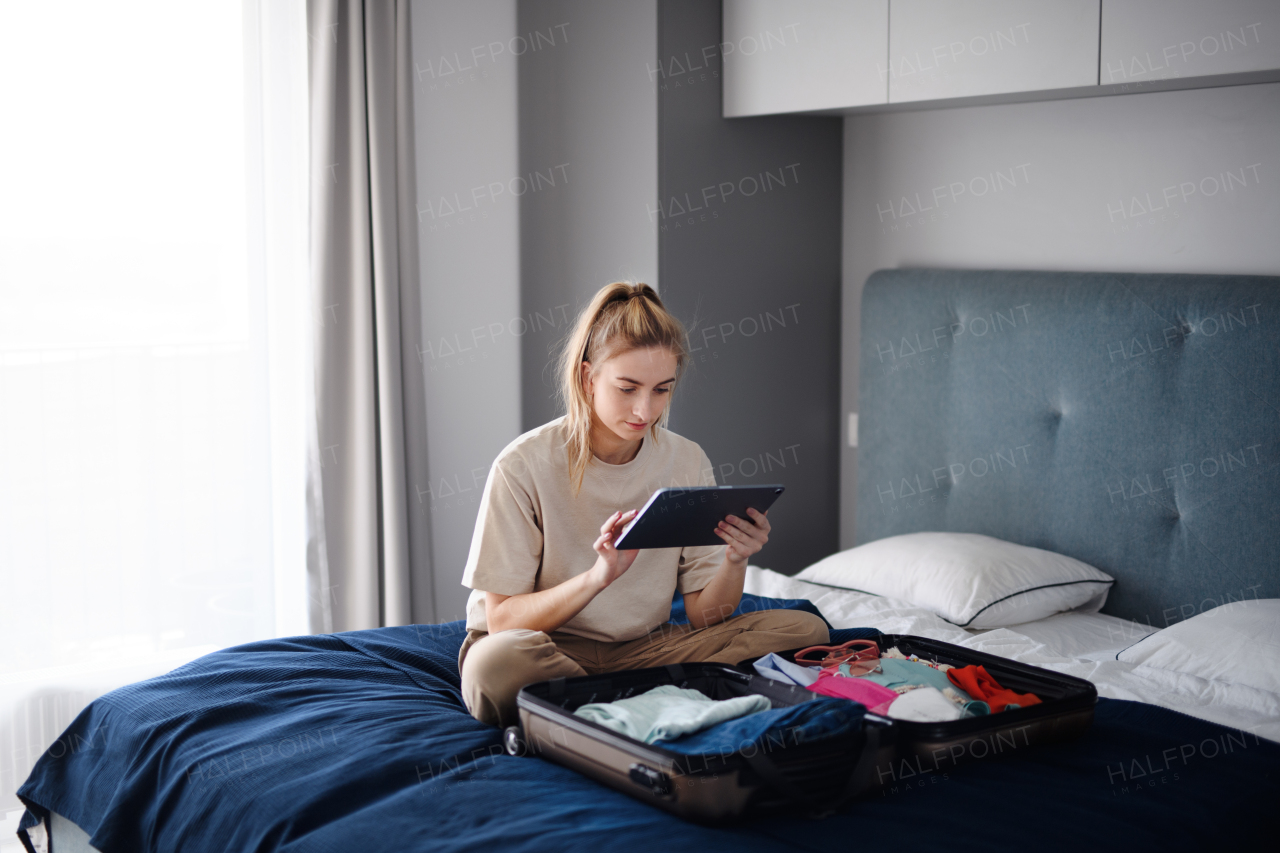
743	537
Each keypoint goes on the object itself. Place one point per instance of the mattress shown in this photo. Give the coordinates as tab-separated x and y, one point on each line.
321	743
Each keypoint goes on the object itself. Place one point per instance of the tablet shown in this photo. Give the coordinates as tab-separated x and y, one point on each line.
684	517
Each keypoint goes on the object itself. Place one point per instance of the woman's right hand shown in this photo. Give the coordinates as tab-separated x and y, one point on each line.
548	609
611	563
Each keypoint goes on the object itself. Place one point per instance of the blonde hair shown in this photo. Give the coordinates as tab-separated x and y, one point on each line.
621	317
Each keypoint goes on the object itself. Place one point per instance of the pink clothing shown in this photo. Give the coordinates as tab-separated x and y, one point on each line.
876	697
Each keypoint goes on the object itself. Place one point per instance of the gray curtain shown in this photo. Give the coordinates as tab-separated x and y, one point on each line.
366	540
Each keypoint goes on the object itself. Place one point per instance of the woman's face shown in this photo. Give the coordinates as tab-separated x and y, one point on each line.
631	390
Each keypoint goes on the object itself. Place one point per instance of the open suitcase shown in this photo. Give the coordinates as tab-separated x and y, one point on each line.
815	778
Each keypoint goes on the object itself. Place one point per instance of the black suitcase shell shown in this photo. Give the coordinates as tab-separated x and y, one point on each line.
816	778
1064	712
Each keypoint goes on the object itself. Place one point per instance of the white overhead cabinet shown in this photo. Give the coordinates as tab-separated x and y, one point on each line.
1145	40
794	55
961	48
846	56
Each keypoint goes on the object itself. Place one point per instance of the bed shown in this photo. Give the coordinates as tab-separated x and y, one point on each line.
1081	391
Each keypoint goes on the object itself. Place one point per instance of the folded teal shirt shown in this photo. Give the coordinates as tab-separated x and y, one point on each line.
668	712
900	673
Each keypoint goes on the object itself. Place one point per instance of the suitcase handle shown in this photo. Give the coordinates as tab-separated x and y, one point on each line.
764	766
658	783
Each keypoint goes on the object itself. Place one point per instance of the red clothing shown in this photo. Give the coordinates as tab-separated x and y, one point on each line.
978	683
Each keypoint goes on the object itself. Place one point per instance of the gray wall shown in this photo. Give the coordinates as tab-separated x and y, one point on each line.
1181	181
749	238
588	147
468	229
537	162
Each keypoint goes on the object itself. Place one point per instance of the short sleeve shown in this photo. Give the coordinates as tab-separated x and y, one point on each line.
699	563
506	547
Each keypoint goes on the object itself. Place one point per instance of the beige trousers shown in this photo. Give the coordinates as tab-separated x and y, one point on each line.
498	665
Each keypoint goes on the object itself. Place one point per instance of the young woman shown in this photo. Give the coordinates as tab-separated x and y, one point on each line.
542	603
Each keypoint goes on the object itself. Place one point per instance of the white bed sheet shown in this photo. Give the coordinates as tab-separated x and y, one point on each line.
1083	645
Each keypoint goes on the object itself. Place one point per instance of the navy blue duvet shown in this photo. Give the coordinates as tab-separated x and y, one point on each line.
360	741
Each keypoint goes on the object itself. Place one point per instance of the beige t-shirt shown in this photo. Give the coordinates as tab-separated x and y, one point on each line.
532	533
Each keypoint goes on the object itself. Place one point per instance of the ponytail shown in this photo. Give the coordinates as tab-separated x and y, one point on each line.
621	317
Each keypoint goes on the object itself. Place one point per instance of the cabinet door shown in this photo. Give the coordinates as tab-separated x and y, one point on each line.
791	55
957	48
1156	39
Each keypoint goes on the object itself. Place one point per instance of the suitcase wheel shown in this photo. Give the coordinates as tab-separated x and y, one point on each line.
513	741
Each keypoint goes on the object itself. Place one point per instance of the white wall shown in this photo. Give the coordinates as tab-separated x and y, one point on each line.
469	254
1181	181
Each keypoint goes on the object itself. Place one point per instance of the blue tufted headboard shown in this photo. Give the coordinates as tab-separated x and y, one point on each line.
1128	420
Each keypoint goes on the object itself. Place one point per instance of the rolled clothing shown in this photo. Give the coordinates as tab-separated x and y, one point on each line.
978	683
778	668
924	705
875	697
668	712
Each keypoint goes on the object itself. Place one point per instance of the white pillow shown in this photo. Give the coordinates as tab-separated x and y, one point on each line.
1237	642
970	580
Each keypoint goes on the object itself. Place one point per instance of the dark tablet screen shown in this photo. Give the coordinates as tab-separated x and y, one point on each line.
680	518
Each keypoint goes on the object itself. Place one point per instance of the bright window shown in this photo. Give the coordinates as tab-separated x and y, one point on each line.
152	346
